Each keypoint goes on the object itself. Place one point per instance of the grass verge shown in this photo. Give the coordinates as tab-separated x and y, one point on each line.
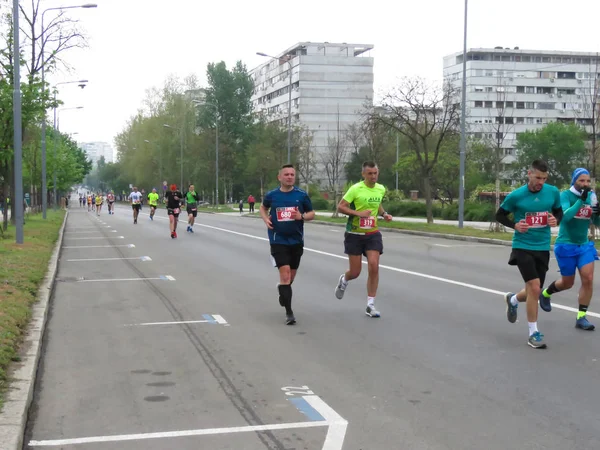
22	271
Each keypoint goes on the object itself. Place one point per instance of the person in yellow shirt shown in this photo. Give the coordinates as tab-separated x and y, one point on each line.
99	200
152	202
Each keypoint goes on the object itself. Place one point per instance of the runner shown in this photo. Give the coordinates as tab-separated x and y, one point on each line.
89	201
362	205
284	210
191	200
536	208
136	198
174	199
573	249
152	202
99	200
110	200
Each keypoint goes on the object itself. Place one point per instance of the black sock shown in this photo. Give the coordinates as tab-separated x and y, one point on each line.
285	292
552	289
583	308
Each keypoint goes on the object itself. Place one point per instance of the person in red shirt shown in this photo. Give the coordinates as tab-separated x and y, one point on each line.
251	202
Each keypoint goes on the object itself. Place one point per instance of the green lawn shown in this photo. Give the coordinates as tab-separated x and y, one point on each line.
22	270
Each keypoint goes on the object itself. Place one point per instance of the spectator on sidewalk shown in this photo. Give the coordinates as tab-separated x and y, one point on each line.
251	202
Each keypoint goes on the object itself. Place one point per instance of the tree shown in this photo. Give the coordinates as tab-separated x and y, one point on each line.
306	161
589	114
561	145
427	116
334	160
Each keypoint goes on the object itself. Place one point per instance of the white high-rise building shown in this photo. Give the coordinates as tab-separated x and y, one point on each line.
510	91
96	150
330	85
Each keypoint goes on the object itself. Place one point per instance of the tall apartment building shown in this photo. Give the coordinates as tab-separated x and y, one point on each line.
510	91
96	150
330	85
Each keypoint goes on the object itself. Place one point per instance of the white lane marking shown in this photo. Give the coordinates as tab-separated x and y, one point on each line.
101	246
163	277
183	322
335	231
90	238
473	245
407	272
82	232
219	319
337	424
142	258
174	434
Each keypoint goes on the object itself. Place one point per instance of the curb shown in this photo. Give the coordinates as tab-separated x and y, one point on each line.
454	237
20	391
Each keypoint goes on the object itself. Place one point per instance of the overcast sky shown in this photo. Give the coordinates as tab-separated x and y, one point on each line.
136	44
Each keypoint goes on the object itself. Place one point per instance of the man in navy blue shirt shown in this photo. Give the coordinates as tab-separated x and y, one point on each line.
284	211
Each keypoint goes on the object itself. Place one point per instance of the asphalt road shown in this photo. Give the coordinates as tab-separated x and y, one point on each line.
441	369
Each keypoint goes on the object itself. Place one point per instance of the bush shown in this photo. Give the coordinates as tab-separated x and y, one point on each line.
394	196
411	209
320	204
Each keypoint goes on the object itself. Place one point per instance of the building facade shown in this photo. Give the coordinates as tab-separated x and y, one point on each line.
96	150
330	84
510	91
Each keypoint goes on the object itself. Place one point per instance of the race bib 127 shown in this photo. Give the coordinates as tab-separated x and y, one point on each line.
537	219
286	214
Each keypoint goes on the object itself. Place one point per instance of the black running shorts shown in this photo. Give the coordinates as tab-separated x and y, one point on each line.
359	244
173	211
531	263
287	255
136	207
192	211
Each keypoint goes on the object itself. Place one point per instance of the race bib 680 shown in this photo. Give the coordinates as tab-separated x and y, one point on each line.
286	214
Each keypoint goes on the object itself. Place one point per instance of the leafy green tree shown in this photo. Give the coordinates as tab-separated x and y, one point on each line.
561	145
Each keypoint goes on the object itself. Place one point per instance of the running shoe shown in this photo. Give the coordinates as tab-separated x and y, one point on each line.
536	340
584	324
172	235
340	288
372	312
290	319
511	310
545	302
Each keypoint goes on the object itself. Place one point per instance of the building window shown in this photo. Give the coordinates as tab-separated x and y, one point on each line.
478	89
520	89
529	120
538	120
478	104
500	105
566	75
520	105
509	120
529	105
489	104
520	120
545	105
530	90
510	104
489	89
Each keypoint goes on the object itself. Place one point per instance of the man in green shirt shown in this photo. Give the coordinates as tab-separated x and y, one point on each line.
191	200
362	205
536	208
573	249
153	202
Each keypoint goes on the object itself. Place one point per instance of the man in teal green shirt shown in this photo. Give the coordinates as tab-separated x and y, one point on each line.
573	249
536	208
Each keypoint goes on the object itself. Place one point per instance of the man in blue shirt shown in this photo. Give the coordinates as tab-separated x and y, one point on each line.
284	211
536	208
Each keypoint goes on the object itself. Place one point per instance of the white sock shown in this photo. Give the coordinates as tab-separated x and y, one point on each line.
344	282
532	327
514	301
371	301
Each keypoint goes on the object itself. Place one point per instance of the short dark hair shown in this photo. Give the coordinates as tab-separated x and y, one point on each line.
369	164
540	164
287	166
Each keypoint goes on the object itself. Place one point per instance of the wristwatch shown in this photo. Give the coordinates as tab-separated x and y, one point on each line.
383	215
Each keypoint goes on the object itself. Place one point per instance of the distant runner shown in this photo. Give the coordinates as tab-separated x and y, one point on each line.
174	199
152	202
136	198
191	199
110	200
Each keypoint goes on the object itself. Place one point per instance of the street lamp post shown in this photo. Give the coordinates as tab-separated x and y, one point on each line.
17	144
289	138
56	130
198	102
44	183
463	138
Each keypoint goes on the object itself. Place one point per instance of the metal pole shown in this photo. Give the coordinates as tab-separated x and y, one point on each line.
44	183
397	154
289	139
217	158
463	138
55	161
18	131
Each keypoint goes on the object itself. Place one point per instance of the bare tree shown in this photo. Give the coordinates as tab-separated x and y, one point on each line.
376	136
355	136
426	115
305	155
334	160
